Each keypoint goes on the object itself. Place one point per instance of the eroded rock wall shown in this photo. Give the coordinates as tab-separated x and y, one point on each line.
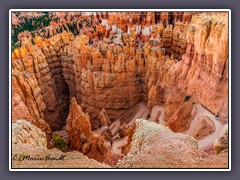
164	149
117	77
30	63
203	71
78	125
27	102
24	133
30	142
202	74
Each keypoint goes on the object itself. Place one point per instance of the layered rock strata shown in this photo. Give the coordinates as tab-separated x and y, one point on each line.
205	63
30	62
24	133
93	74
78	125
162	147
29	150
221	144
103	118
182	64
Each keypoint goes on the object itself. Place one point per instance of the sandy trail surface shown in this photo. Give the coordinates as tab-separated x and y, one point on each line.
199	112
141	113
118	143
138	112
158	114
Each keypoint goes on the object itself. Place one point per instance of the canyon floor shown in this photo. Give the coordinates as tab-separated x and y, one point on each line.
120	90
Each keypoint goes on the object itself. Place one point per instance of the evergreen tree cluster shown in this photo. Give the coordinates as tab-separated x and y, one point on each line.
29	25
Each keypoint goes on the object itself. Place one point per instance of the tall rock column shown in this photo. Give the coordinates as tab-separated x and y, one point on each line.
78	125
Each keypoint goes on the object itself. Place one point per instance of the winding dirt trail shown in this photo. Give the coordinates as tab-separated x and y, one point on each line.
158	113
199	112
114	127
158	116
118	144
141	113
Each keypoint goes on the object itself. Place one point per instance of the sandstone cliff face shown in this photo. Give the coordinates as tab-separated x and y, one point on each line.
167	38
19	109
30	62
178	110
27	102
115	99
96	148
103	118
128	131
78	125
179	44
115	89
29	141
204	65
99	82
105	77
221	144
105	80
94	144
166	149
187	16
201	70
52	49
24	133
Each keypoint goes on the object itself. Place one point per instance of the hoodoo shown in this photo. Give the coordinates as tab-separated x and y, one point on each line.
122	89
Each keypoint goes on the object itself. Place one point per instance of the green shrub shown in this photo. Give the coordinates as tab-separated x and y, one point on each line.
23	154
59	142
72	28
